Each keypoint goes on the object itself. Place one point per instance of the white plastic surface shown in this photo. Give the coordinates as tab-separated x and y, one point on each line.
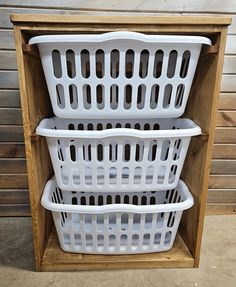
119	74
117	155
120	223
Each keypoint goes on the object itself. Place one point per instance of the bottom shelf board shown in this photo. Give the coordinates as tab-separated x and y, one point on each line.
55	259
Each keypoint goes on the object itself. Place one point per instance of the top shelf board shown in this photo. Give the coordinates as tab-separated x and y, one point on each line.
119	19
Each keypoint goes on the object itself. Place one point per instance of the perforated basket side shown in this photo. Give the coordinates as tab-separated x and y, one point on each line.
142	76
139	155
118	223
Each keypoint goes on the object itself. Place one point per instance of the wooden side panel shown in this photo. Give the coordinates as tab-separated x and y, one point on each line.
202	106
35	107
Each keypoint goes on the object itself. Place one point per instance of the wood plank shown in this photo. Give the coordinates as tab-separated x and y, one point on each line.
120	19
229	64
223	166
228	83
222	181
35	107
55	259
116	24
12	166
226	119
6	11
9	79
11	133
225	135
8	60
15	210
9	99
221	209
227	101
221	196
7	39
12	150
224	151
232	27
202	107
14	196
9	181
176	6
10	116
230	45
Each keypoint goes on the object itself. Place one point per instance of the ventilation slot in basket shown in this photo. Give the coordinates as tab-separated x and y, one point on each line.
158	62
70	61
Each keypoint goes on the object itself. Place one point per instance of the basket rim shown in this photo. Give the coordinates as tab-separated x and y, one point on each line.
119	35
44	129
128	208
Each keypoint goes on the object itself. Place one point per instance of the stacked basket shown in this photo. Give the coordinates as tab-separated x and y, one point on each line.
116	145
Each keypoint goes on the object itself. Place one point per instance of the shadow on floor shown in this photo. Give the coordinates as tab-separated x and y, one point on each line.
16	244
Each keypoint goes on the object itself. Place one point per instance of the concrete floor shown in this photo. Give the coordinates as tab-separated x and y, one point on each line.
217	268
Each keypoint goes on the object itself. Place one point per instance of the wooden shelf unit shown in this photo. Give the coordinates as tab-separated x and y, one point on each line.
201	108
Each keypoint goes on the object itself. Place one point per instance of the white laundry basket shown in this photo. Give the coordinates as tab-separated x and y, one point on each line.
116	155
120	223
119	74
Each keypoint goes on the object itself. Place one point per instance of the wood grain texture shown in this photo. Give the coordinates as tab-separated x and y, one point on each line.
11	133
139	5
227	101
7	11
229	64
8	60
9	98
201	108
10	116
14	210
36	106
225	135
222	181
223	166
12	166
178	20
7	39
12	150
228	83
14	196
230	45
9	79
232	27
221	196
226	119
55	259
224	151
221	209
9	181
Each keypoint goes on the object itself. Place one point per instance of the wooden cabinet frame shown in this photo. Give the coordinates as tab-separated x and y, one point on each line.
201	108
